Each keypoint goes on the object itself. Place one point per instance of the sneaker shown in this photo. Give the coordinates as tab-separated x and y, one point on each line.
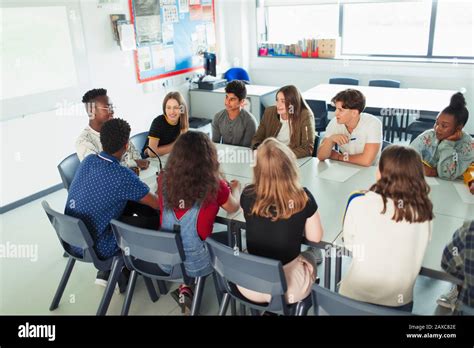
449	299
102	278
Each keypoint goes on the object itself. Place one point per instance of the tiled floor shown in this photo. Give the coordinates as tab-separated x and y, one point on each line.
28	283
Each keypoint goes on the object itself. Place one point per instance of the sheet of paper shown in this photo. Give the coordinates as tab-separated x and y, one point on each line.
144	58
338	173
168	34
431	181
157	55
127	37
170	14
168	55
183	6
463	192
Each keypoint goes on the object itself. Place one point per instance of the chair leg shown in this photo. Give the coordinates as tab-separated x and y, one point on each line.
233	307
162	287
151	289
254	312
243	311
224	304
198	292
62	284
301	309
109	290
129	294
217	287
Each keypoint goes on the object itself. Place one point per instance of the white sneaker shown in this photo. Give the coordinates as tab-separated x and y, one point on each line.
449	299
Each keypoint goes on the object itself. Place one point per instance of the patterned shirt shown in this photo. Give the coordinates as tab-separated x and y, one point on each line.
99	193
89	143
458	260
450	158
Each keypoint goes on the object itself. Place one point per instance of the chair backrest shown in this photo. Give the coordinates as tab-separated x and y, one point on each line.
252	272
139	141
385	83
320	112
335	304
148	251
385	144
237	74
343	81
67	169
72	231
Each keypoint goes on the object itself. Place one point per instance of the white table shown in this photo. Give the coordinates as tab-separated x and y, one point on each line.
239	161
205	103
406	99
331	196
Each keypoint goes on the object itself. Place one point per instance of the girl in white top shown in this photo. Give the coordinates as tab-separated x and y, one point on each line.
387	229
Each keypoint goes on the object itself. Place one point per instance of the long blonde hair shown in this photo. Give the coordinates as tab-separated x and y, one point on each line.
278	193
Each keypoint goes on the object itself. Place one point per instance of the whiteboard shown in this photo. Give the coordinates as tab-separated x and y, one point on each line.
43	56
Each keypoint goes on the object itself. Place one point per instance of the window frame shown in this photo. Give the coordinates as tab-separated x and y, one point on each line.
429	57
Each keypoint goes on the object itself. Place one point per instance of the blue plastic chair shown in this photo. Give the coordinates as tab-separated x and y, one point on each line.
73	232
336	304
145	250
255	273
237	74
385	83
320	112
344	81
67	169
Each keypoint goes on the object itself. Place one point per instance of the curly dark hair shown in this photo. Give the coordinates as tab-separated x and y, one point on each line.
93	93
192	172
238	88
351	99
402	180
114	135
457	108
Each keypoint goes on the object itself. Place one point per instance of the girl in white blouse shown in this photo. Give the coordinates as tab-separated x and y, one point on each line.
387	229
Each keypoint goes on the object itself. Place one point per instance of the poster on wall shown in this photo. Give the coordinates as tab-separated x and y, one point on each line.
147	21
170	41
170	14
183	6
168	34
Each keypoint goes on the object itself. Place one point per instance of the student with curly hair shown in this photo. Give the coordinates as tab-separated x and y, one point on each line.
102	189
387	229
191	191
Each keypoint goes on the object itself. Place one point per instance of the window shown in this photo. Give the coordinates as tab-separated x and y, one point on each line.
386	28
453	35
288	24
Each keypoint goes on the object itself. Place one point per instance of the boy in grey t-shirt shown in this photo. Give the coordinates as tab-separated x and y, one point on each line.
234	125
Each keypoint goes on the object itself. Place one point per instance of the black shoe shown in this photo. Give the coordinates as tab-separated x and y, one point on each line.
123	279
102	278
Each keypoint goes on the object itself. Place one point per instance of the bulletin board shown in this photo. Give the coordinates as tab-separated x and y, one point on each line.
169	36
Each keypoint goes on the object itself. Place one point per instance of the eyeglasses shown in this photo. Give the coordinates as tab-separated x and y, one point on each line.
109	107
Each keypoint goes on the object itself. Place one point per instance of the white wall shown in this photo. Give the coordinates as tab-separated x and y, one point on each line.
33	146
307	73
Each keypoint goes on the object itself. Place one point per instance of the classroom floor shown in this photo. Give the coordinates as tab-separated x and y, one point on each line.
28	284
